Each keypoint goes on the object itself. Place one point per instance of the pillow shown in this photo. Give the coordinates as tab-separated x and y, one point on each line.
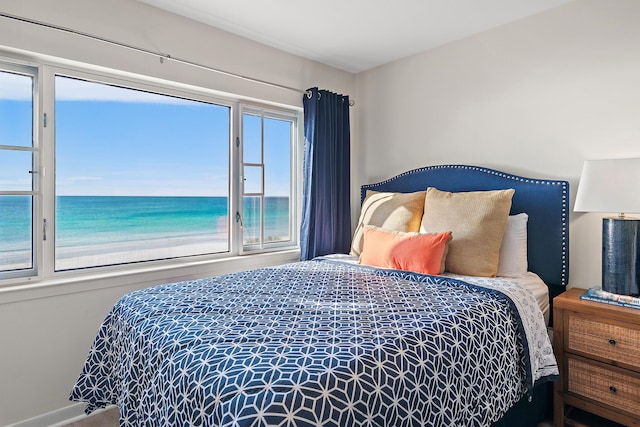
420	253
391	211
513	252
477	220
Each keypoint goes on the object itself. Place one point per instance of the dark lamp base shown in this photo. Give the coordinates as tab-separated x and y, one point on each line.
621	256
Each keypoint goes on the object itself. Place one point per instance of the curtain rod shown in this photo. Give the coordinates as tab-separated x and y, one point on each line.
162	56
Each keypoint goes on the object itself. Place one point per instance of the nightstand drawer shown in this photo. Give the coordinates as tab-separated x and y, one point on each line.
598	338
604	385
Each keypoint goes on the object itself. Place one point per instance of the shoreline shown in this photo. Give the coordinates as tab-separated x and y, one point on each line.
99	255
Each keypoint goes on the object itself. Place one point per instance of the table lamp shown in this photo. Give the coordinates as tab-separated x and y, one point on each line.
613	185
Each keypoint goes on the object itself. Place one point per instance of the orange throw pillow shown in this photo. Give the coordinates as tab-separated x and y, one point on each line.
417	252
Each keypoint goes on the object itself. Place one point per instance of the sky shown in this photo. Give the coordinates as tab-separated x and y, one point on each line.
115	141
15	129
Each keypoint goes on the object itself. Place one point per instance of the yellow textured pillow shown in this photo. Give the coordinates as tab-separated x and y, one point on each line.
477	220
422	253
391	211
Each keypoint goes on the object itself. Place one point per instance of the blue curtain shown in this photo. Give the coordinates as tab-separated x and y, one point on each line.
326	204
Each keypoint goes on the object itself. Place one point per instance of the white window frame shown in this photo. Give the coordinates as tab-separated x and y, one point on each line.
44	183
34	72
263	113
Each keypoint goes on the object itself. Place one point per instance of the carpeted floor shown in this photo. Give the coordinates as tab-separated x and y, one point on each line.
108	418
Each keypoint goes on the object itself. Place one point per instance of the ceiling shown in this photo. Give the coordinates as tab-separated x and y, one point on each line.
355	35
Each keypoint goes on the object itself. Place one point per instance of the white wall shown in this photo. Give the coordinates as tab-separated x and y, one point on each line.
46	331
535	98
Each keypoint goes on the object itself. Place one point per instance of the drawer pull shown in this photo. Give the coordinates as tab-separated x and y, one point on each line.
612	341
613	389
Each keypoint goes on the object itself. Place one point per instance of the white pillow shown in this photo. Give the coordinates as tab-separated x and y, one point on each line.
513	252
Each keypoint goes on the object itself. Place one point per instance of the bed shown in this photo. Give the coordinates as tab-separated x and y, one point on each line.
333	342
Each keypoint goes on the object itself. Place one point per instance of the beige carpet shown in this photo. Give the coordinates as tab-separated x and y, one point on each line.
108	418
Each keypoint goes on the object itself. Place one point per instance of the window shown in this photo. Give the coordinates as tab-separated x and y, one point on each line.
267	180
17	171
139	176
141	172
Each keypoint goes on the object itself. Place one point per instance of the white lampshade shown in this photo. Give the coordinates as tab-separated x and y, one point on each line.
611	185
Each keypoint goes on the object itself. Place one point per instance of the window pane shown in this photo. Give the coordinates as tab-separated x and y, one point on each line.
139	176
277	180
251	232
251	139
15	233
16	110
276	219
253	180
14	170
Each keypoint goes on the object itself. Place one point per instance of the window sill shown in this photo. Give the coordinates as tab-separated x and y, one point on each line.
141	277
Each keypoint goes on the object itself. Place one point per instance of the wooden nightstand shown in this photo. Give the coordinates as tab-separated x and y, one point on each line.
597	346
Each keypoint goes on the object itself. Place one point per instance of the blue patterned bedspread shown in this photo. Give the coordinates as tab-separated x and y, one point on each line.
316	343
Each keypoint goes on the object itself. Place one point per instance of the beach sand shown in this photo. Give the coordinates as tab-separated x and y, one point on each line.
124	252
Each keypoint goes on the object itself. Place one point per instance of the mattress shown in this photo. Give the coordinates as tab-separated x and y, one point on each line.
529	281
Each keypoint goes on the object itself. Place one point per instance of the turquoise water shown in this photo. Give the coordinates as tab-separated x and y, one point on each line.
15	223
85	222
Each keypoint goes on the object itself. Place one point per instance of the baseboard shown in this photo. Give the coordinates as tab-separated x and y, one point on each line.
59	417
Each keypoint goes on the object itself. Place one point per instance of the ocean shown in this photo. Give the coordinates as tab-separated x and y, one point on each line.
105	230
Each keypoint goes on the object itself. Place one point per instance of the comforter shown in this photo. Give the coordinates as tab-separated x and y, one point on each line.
318	343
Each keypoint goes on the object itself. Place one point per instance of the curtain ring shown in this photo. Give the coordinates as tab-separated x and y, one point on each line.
309	94
351	101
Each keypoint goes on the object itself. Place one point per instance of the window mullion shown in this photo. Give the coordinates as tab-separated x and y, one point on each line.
235	181
46	141
262	199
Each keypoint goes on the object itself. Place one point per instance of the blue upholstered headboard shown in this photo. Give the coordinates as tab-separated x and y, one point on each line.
545	201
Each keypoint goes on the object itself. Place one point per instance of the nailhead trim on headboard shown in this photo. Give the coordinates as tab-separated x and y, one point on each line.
564	277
